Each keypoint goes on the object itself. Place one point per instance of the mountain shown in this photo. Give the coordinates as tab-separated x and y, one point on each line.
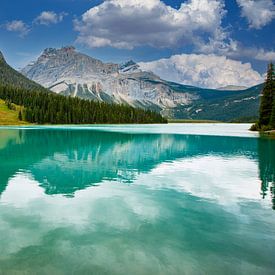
37	104
11	77
238	106
232	88
68	72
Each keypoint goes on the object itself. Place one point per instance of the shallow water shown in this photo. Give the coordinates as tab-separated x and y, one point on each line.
137	199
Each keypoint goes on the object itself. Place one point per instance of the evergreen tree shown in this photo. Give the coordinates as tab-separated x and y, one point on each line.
272	118
267	98
20	115
47	107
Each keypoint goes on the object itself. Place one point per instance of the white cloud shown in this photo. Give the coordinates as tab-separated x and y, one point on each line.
210	71
221	46
258	12
131	23
238	50
49	17
263	55
17	26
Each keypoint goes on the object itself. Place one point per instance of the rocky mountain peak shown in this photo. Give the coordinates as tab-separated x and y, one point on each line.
62	53
54	51
68	72
129	67
127	64
66	63
68	49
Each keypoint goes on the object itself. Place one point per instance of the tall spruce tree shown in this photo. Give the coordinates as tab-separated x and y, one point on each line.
267	98
272	118
20	115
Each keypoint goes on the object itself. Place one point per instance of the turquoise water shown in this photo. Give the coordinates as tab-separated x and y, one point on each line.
137	199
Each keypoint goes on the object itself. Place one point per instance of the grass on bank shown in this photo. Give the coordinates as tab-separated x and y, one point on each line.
270	134
10	117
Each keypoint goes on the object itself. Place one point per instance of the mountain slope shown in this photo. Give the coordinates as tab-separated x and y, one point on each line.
10	117
232	88
11	77
68	72
239	106
39	105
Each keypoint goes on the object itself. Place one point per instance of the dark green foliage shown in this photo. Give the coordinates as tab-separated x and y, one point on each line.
267	107
42	107
266	149
20	115
272	118
9	76
228	106
10	105
267	97
255	127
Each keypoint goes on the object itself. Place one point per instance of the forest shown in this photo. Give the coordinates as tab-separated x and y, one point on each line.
266	120
43	107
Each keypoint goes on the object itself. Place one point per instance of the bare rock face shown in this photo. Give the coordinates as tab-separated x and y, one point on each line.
68	72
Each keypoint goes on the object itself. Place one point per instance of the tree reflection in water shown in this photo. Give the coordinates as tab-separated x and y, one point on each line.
64	161
266	151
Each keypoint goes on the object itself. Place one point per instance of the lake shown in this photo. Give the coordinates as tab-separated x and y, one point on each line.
137	199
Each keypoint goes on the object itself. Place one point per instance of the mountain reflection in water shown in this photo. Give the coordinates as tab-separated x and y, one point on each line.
64	161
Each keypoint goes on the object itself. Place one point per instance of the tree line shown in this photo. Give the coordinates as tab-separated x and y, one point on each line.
49	108
267	106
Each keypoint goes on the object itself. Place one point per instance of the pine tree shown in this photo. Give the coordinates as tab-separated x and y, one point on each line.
267	98
41	107
20	115
272	118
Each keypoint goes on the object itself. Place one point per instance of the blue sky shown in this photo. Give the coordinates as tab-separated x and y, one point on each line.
118	30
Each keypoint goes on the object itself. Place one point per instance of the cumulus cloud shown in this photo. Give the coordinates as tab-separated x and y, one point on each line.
209	71
131	23
234	49
258	12
257	53
17	26
222	46
265	55
49	17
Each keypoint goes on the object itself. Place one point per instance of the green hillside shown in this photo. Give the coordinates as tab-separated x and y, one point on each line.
228	106
10	77
41	106
10	117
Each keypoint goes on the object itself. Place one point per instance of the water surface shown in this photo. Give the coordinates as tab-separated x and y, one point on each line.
137	199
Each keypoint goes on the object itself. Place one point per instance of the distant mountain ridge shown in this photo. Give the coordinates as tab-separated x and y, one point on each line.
236	106
232	88
37	104
68	72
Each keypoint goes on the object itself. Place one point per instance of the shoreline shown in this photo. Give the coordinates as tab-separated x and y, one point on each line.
194	121
270	133
95	124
